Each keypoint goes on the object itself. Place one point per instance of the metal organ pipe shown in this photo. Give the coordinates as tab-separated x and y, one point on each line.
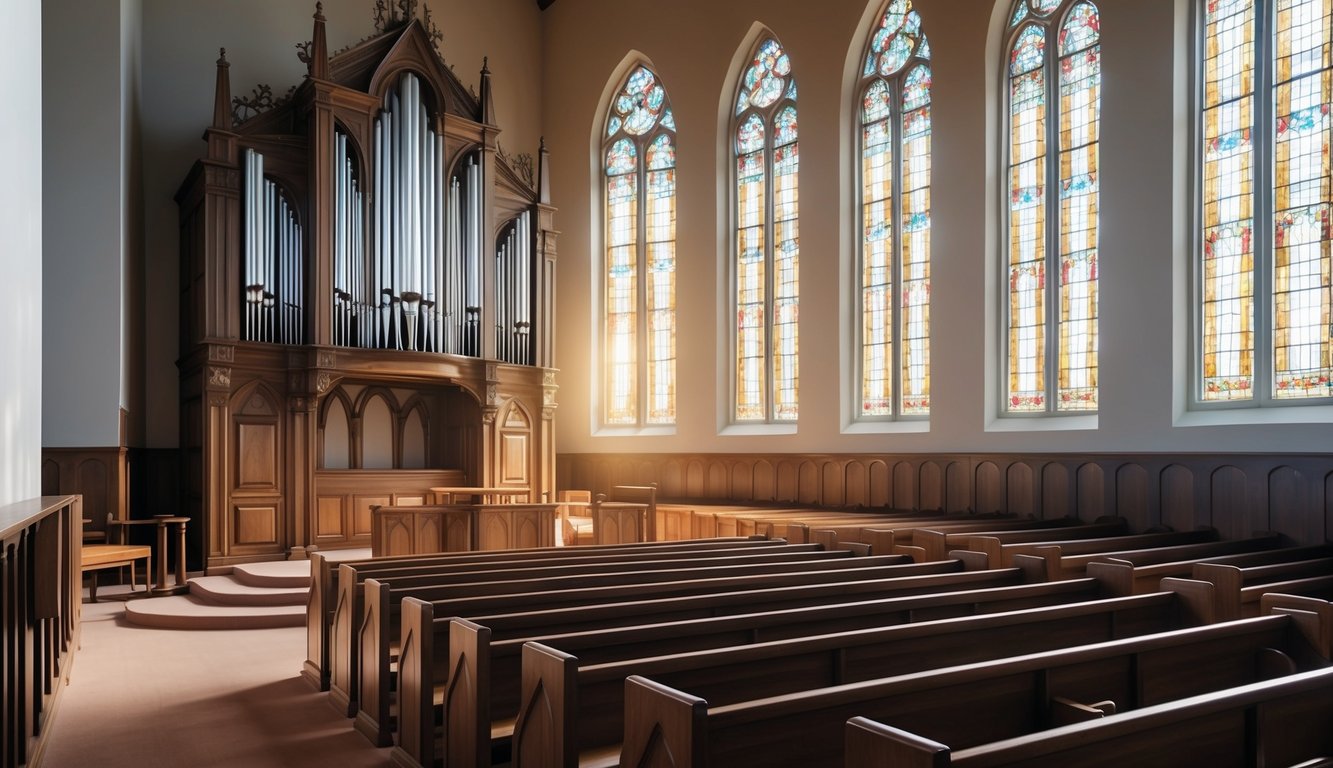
350	313
273	267
513	274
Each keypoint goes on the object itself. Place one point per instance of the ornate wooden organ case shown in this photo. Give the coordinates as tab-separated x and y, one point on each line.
366	299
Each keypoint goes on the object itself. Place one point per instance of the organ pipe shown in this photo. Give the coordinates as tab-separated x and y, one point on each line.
513	285
273	266
349	305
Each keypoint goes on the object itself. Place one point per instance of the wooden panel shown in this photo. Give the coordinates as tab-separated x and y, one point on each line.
1020	490
673	480
990	489
494	532
694	480
765	487
256	456
931	496
856	484
513	458
1132	500
881	491
361	505
807	483
408	499
832	483
1091	487
717	481
1056	492
1178	499
742	480
1229	501
1292	506
787	480
255	525
905	488
957	487
329	520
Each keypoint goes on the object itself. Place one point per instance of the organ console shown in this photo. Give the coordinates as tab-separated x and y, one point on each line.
365	309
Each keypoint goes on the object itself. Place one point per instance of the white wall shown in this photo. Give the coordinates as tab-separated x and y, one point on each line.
21	254
83	226
181	39
1143	247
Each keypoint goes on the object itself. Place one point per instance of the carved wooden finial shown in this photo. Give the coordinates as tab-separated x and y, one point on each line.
543	173
318	64
222	94
487	104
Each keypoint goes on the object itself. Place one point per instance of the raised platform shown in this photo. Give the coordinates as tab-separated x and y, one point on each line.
252	596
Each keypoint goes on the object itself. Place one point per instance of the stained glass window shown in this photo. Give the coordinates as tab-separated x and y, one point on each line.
1054	103
1264	291
767	162
894	275
639	295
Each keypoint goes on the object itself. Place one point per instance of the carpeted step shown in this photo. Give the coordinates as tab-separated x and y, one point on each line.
283	574
189	612
225	590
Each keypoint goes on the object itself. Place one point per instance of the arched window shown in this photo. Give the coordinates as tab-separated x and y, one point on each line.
766	159
1050	317
893	110
1263	274
639	170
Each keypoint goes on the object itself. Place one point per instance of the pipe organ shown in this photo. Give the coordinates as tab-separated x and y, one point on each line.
362	241
274	270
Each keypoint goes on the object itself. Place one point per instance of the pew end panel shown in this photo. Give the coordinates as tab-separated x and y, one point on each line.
1198	598
972	561
663	726
871	744
542	736
1033	568
1116	576
343	625
1313	618
372	697
467	710
416	686
315	669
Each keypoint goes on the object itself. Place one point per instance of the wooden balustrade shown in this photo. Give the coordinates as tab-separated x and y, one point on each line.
40	599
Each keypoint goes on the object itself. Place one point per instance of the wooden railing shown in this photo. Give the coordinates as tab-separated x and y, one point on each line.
40	602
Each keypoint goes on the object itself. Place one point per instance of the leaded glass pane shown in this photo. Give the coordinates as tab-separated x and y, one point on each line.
621	291
639	337
786	162
1080	103
1020	13
766	78
1301	200
751	294
915	244
1227	198
1027	223
1044	7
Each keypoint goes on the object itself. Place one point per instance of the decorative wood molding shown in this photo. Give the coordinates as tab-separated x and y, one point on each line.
1238	494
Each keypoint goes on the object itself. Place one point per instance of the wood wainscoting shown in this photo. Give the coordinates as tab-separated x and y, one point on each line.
100	475
344	498
1235	493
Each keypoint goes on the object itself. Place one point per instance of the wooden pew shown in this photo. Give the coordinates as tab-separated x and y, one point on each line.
896	539
709	522
1239	589
368	694
586	695
475	652
1279	722
1142	572
347	623
627	513
1000	552
965	705
322	602
1060	563
935	544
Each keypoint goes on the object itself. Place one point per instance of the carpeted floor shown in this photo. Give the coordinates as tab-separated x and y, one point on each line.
149	697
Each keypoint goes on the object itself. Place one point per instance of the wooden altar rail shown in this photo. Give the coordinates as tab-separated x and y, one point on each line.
40	597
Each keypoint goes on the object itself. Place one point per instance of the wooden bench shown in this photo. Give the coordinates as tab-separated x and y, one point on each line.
1239	588
627	513
349	615
485	657
1280	722
1059	562
586	696
372	646
321	605
1139	572
1000	551
963	705
885	538
935	544
96	557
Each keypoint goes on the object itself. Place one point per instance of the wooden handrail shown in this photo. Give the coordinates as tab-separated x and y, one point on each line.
40	544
